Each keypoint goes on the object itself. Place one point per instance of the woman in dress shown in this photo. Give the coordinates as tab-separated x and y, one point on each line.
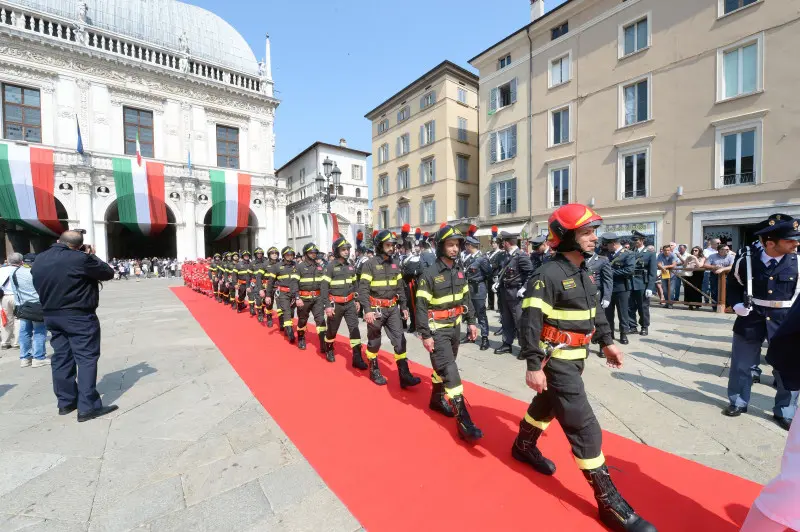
694	265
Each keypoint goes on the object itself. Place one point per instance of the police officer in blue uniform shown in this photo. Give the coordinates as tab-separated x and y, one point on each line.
763	287
512	280
622	264
478	271
540	253
644	283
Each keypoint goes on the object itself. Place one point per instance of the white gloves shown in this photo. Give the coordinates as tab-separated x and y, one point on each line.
521	292
648	293
741	310
605	303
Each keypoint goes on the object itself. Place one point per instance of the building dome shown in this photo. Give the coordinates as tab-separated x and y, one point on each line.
162	22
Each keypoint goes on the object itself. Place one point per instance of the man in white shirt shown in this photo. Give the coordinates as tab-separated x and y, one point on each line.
9	330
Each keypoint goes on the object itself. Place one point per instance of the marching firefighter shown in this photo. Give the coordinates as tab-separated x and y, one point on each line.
222	278
233	276
478	272
257	271
383	299
243	274
283	284
213	268
561	313
443	302
340	298
265	275
308	296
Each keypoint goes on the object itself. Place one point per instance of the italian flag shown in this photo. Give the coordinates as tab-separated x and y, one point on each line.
230	203
27	182
331	225
140	195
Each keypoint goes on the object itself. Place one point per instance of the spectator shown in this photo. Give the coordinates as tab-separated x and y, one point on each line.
32	332
710	249
67	277
666	263
9	329
682	254
717	264
694	266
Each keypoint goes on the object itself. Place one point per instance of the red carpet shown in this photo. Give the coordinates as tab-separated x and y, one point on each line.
398	466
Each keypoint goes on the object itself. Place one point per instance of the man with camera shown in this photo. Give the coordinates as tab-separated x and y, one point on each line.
67	277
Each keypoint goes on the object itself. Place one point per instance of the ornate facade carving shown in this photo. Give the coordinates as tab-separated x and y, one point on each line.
43	78
120	96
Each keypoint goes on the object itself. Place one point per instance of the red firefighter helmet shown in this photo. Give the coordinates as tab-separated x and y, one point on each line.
568	218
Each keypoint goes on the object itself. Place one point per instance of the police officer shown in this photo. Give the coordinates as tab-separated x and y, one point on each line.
561	314
213	268
493	257
383	300
411	267
478	271
442	303
603	278
763	287
644	283
512	280
243	275
233	276
622	265
284	284
341	301
540	252
309	301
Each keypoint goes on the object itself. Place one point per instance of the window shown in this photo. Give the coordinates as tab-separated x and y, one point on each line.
383	154
403	213
559	186
559	126
503	96
462	95
141	122
22	114
427	100
740	69
403	144
427	133
634	36
739	149
403	178
462	167
302	175
729	6
340	190
403	114
503	144
462	206
558	31
504	62
560	70
503	198
228	149
383	218
383	184
428	211
633	166
462	129
358	217
635	102
427	171
358	192
383	126
357	172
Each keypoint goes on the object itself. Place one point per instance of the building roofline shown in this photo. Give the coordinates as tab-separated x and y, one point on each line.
327	145
524	28
443	67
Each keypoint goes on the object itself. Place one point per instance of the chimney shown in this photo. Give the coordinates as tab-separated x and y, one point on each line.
342	143
537	9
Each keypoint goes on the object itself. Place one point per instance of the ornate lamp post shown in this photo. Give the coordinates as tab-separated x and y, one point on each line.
332	177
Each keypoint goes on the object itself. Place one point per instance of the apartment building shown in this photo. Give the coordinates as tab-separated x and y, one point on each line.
677	119
425	152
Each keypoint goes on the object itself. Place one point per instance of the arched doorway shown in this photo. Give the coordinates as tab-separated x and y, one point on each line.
20	239
246	240
126	244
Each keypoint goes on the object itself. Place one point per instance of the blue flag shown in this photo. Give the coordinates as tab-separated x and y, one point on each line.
189	153
79	149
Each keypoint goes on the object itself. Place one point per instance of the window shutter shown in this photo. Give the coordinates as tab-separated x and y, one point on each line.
398	147
513	90
493	100
433	210
422	135
493	199
433	132
422	212
493	148
421	174
513	148
433	170
433	97
422	102
514	195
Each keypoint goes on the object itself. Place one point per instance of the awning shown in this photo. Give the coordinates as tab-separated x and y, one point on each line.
513	228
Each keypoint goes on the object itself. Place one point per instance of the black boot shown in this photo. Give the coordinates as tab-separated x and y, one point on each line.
269	319
644	331
260	317
615	512
466	340
525	449
484	343
358	361
301	340
407	380
289	333
505	348
466	428
252	309
375	372
438	402
623	338
325	347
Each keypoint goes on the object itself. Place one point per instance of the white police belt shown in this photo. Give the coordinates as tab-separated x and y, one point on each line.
772	304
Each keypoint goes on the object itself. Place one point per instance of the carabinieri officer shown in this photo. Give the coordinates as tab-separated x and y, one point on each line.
762	289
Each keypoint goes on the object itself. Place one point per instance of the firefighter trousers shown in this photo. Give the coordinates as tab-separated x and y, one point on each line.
443	359
241	293
285	309
388	319
261	306
565	400
315	306
348	312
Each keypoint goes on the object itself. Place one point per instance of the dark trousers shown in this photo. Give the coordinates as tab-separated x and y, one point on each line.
411	297
387	319
565	400
620	304
510	311
348	312
76	349
480	314
639	304
311	305
285	309
443	359
491	295
260	305
241	293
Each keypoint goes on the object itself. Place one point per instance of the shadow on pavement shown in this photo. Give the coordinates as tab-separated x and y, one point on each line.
676	390
668	361
114	384
687	334
4	388
680	348
701	319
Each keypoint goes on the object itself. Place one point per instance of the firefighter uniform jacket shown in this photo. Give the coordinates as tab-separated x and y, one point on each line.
442	287
258	268
284	275
310	277
212	269
266	274
339	280
381	279
241	272
562	295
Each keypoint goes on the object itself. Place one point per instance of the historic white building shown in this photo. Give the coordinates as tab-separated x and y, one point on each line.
307	210
175	76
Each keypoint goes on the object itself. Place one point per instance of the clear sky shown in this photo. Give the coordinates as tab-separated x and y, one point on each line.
333	61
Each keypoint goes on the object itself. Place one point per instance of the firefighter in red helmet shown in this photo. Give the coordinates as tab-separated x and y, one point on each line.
561	313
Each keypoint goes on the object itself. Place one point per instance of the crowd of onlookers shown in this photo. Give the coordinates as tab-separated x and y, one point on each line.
145	268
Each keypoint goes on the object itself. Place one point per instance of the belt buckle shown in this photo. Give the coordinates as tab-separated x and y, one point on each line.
567	342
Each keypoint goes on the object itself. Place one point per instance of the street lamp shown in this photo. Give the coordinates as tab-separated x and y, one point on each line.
333	177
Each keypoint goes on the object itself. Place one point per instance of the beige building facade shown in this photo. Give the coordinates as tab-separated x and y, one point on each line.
425	152
677	119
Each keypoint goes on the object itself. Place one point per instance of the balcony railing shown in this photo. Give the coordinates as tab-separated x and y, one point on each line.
747	178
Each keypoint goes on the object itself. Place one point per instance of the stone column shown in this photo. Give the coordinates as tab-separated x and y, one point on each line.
190	222
85	207
279	219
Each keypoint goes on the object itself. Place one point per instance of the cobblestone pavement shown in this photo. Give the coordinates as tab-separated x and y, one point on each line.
191	449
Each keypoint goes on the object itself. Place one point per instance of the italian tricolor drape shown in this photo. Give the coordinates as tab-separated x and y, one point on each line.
140	195
230	203
27	182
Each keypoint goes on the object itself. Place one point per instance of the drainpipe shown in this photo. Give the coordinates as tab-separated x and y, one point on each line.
530	125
